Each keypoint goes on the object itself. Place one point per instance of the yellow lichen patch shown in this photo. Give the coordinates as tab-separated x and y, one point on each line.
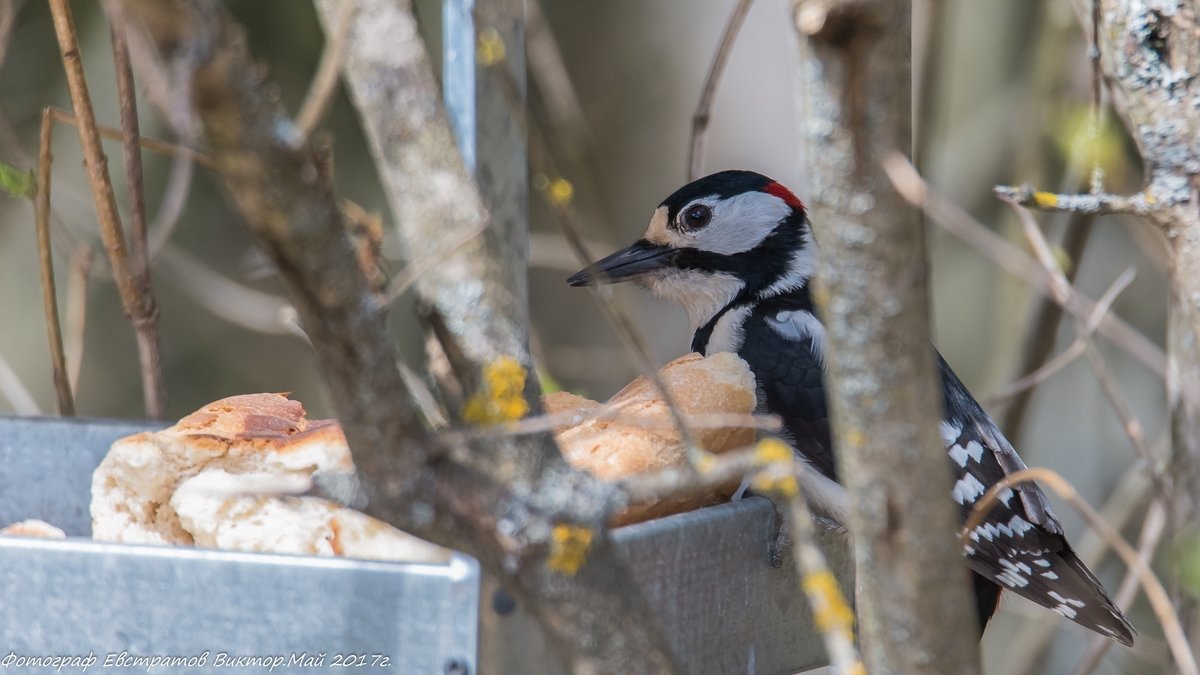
502	395
855	438
771	451
569	545
777	476
561	191
829	607
703	460
490	49
1045	200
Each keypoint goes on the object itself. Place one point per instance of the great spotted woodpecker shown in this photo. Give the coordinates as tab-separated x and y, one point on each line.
735	250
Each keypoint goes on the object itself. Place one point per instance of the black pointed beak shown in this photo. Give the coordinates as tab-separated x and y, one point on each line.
628	263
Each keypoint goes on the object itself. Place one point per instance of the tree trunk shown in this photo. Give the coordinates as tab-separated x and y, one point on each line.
915	613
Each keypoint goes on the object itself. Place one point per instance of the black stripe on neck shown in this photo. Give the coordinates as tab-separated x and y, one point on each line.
704	333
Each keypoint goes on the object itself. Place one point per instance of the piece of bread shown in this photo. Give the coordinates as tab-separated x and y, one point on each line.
221	476
229	511
636	433
33	528
250	449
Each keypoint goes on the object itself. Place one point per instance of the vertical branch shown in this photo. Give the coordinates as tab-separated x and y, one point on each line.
146	321
1144	53
883	394
58	360
136	299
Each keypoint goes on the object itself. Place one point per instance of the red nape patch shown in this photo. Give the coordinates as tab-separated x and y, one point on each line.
785	194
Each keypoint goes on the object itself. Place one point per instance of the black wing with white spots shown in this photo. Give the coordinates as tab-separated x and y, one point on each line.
1020	544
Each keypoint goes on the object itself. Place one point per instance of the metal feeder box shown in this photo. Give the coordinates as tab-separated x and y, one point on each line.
724	608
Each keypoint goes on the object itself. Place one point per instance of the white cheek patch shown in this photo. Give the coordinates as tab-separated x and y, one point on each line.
738	224
702	294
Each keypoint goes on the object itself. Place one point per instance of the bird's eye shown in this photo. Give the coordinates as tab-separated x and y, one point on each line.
696	217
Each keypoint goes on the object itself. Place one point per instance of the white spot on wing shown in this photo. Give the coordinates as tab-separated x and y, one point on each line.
967	489
1066	611
950	433
1050	575
798	326
1019	526
959	454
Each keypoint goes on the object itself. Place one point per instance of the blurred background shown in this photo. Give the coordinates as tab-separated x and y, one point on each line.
1002	96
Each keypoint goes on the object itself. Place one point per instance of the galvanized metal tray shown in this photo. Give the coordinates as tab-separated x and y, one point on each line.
724	608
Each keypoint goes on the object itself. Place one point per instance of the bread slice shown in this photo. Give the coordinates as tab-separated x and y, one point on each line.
33	528
217	478
636	433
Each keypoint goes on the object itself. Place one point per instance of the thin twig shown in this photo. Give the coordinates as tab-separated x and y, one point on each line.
607	413
625	329
58	360
136	300
422	265
1153	527
1092	203
130	133
780	475
170	209
324	83
145	319
1129	495
680	482
1013	260
15	391
1160	601
1068	355
1062	291
1047	317
146	143
703	112
236	303
8	20
76	321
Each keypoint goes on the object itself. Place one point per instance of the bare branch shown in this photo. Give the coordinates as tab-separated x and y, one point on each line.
1155	592
1153	527
1096	203
279	184
1147	52
136	298
145	322
703	112
77	287
1016	262
1028	645
58	359
15	392
1063	291
238	304
1069	354
324	83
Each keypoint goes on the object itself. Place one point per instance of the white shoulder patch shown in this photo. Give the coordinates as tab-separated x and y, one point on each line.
800	325
729	332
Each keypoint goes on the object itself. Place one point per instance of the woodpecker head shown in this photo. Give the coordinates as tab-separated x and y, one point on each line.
734	234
